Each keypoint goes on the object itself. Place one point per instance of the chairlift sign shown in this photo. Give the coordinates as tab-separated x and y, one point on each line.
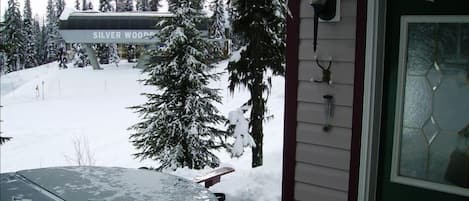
124	28
109	36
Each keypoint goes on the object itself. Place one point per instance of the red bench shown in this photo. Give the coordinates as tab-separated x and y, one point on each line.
213	177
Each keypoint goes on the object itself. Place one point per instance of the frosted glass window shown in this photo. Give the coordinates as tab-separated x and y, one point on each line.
432	121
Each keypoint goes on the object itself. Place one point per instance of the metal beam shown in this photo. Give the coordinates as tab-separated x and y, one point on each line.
92	57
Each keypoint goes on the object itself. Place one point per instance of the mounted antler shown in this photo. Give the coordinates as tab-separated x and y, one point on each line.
326	71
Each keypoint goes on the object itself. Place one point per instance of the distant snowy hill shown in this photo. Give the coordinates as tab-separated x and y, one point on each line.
80	103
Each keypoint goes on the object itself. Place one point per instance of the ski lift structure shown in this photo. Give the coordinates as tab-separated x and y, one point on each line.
91	27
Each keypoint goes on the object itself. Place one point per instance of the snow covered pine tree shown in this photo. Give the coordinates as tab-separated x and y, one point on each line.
218	19
239	128
59	7
80	59
179	123
103	50
13	37
154	5
262	25
30	37
41	42
129	5
77	5
114	54
4	139
52	32
142	5
217	27
131	49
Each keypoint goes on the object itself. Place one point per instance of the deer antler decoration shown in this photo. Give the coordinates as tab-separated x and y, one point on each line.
326	71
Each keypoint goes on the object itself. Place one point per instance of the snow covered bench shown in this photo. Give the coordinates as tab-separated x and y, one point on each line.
213	177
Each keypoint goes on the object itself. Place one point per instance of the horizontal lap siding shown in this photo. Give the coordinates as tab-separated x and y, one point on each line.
342	72
313	134
342	30
323	158
316	114
339	50
321	176
310	192
313	93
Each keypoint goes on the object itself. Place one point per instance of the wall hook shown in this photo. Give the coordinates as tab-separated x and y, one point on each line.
326	71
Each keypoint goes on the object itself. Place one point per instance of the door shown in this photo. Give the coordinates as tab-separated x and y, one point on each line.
424	148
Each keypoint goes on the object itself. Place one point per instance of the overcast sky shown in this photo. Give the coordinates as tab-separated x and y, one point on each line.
39	6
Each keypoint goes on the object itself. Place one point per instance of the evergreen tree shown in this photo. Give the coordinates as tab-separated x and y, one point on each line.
59	7
217	28
54	39
179	124
154	5
2	40
105	6
62	56
261	24
131	49
196	4
131	53
77	5
12	32
2	59
143	5
4	139
129	5
171	2
29	59
80	58
138	5
103	50
61	51
114	54
236	39
41	42
52	32
27	14
218	20
2	52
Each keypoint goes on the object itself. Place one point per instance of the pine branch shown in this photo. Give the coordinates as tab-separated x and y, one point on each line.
4	139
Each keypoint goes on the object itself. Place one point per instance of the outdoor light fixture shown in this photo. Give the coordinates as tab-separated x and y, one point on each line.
325	10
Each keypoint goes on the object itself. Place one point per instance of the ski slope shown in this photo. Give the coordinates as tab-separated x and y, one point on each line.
81	103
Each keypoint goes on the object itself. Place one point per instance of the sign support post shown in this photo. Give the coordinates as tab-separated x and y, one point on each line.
92	57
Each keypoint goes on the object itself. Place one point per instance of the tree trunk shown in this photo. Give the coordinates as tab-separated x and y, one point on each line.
257	118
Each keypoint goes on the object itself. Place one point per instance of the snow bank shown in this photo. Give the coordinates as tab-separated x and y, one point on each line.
93	104
13	81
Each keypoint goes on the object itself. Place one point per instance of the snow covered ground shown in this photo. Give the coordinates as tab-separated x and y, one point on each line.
80	103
